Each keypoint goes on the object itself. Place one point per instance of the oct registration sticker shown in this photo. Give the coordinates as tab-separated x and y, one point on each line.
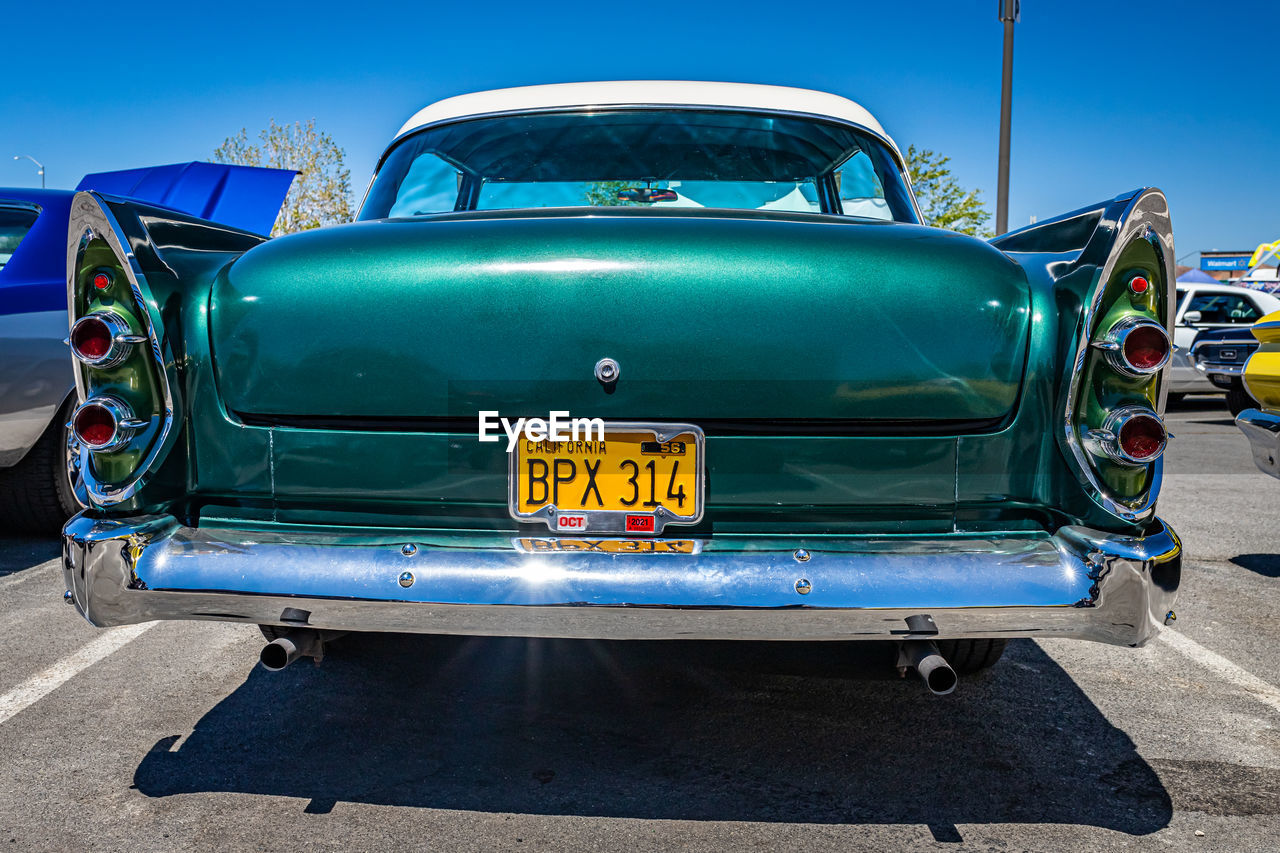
639	478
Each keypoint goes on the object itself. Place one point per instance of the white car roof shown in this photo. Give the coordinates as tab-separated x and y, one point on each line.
1269	301
1218	288
684	93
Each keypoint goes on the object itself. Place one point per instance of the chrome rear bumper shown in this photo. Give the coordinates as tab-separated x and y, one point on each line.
1263	431
1077	583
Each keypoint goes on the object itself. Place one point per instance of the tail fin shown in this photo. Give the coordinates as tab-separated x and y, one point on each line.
1111	266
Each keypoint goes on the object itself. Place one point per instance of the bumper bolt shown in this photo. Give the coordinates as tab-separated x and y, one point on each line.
801	555
1170	618
803	586
409	550
406	579
68	598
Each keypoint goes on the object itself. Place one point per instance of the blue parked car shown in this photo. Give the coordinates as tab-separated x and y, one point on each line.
39	461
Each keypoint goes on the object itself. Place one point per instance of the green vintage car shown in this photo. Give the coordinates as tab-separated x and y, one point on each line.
639	360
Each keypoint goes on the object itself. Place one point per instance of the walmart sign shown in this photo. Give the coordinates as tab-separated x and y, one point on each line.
1224	262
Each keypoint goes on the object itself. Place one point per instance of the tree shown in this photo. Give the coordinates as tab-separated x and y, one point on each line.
943	202
320	194
605	194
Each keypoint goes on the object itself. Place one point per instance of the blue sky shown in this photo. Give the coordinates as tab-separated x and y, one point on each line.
1107	95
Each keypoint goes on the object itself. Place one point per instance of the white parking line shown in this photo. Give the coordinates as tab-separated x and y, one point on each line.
1267	694
43	683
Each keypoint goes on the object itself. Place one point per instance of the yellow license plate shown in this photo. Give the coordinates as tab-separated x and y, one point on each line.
608	546
640	478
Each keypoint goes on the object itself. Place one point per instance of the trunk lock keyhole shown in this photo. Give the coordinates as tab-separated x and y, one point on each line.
607	372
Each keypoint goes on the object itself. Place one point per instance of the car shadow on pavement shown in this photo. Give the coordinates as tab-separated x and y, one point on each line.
1209	403
23	552
691	731
1267	565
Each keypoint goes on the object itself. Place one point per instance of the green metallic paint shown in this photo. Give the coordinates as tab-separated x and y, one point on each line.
420	475
1072	252
709	318
1012	476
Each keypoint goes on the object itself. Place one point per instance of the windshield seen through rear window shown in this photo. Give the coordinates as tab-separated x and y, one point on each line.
642	159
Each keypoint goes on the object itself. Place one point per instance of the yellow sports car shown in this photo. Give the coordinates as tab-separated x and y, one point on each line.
1262	379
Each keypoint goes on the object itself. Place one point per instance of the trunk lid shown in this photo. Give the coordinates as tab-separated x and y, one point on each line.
747	321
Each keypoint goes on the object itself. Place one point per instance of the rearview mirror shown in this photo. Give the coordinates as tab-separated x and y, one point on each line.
1191	318
646	195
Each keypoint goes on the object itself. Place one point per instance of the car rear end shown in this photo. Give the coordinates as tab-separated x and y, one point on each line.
813	427
1221	354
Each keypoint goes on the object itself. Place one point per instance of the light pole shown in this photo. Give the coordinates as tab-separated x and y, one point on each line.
1010	11
33	160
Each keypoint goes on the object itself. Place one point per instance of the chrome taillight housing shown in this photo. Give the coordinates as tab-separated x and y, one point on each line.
1133	435
1136	347
103	424
102	339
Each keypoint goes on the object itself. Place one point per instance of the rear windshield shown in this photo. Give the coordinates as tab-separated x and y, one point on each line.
643	159
14	225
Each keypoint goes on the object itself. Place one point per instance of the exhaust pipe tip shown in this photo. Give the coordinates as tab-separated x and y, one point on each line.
923	656
279	653
298	643
938	675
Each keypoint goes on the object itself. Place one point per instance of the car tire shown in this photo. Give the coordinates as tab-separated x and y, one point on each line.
37	495
1238	399
969	656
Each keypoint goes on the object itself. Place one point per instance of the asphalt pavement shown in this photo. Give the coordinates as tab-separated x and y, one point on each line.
169	737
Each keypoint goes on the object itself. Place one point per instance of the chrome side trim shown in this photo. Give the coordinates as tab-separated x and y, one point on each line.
1145	216
90	219
1079	582
1262	428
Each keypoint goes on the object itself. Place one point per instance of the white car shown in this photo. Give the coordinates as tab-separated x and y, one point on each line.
1210	306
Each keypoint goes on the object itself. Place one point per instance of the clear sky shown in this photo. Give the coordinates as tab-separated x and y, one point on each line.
1107	95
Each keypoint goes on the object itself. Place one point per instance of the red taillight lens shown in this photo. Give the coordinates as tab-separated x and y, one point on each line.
1138	284
91	339
104	423
102	280
1142	438
95	425
1136	346
1132	435
1146	348
102	339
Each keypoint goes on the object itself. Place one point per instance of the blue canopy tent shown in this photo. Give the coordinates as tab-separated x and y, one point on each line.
1196	277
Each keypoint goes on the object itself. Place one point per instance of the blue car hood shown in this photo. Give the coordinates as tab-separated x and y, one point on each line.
244	197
